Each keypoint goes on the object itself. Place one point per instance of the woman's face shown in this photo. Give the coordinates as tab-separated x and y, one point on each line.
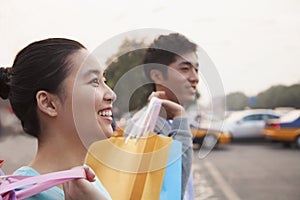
88	100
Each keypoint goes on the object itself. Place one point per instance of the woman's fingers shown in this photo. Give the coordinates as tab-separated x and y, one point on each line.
82	188
90	175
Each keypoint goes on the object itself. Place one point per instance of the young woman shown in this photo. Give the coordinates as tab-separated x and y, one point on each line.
59	93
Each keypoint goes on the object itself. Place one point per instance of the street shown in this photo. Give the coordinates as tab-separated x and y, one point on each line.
257	171
250	171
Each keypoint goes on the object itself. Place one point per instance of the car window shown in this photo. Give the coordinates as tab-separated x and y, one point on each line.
268	116
253	117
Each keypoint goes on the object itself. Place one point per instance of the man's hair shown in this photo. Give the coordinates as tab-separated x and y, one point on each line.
164	50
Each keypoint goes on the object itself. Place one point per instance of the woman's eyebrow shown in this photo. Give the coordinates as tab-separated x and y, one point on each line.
92	71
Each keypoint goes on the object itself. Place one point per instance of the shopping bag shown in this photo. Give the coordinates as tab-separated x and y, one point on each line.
133	167
20	187
171	187
132	170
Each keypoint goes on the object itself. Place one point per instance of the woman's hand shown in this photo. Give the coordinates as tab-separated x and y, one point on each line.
169	109
82	188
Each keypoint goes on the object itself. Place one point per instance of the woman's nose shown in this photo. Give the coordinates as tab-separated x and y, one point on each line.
110	95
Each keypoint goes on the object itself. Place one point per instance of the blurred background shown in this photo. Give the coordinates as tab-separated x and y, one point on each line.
250	153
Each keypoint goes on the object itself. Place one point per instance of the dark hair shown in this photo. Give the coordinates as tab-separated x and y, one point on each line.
164	51
42	65
4	79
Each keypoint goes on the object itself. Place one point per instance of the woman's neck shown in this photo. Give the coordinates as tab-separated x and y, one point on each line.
57	153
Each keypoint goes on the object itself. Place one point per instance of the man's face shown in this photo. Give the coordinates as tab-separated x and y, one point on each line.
182	79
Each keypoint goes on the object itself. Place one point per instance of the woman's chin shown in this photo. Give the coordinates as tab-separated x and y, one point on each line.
108	133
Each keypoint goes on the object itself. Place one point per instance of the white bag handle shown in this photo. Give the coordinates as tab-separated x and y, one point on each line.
147	122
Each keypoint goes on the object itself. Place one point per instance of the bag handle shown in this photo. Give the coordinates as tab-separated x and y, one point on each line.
1	163
147	122
37	184
151	116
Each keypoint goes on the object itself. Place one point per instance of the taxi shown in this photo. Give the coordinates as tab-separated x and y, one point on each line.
209	138
285	130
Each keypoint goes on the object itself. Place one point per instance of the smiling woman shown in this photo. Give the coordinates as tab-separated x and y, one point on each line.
59	93
91	99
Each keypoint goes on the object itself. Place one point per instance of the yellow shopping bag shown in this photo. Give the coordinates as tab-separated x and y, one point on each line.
132	170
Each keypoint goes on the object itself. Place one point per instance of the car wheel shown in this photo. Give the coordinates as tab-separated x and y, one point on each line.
209	142
286	144
298	142
197	143
231	136
196	146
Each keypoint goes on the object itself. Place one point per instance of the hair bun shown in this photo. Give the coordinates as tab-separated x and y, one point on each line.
4	82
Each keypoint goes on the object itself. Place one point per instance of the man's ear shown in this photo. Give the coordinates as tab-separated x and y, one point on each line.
47	103
156	76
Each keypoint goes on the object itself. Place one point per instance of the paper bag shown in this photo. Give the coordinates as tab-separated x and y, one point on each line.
131	171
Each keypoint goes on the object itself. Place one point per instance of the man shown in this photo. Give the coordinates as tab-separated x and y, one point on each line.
171	63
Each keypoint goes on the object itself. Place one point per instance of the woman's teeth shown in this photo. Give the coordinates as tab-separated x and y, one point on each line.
106	113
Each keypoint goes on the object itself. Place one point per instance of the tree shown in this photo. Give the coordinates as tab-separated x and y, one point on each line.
123	68
236	101
275	96
279	96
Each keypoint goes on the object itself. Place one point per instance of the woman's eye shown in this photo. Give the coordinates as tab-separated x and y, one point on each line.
95	81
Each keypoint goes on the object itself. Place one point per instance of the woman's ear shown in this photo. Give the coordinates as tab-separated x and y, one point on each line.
156	76
47	103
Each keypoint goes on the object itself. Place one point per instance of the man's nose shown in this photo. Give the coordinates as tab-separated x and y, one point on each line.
194	77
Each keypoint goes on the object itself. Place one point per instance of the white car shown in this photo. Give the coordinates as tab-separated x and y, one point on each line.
248	123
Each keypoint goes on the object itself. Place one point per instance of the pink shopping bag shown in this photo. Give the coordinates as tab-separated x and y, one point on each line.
33	185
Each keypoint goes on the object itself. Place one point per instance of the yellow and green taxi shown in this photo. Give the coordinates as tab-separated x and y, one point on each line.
285	130
209	138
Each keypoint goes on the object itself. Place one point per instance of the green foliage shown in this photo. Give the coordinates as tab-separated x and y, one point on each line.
279	96
125	75
236	101
275	96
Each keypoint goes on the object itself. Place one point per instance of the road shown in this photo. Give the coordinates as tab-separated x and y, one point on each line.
248	171
238	171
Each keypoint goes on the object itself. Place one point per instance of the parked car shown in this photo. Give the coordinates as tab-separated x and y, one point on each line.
285	130
248	123
209	138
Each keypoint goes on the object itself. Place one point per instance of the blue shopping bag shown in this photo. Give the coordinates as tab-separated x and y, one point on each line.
171	188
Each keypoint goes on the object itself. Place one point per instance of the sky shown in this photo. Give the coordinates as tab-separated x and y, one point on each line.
254	44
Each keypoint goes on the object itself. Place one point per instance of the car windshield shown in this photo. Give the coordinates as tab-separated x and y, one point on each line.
250	115
291	116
